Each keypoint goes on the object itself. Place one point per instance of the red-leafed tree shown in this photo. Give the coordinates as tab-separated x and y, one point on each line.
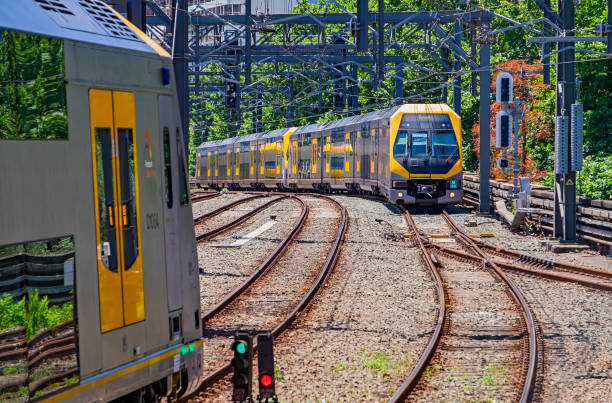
536	137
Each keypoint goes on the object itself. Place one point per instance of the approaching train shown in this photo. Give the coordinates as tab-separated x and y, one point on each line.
411	154
96	224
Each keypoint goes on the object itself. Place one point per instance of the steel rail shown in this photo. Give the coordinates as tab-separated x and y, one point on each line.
201	197
530	375
510	266
278	251
523	258
419	368
221	209
219	230
332	257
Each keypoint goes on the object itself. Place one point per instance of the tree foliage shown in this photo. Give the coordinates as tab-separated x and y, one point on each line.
510	50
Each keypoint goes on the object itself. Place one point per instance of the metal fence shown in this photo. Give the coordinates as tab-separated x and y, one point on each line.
594	217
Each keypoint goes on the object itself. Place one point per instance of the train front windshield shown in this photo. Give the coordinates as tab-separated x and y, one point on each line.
425	135
444	144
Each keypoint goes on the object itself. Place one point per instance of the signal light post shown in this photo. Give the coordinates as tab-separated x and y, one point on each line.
265	365
243	367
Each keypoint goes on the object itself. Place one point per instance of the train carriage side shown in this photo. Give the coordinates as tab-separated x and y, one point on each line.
99	179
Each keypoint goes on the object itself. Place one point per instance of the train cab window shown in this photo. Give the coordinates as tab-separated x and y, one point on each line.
401	144
418	143
182	175
444	144
167	168
106	198
128	196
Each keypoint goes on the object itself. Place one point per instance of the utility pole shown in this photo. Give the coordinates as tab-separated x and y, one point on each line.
179	58
565	179
485	118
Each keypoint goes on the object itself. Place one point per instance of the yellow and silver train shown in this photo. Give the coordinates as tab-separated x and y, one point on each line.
98	266
411	154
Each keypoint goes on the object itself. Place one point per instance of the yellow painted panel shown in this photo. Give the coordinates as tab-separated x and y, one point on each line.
208	163
109	283
396	167
314	156
229	163
133	287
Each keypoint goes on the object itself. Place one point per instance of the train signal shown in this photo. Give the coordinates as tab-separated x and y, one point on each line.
242	346
503	90
265	364
503	129
502	163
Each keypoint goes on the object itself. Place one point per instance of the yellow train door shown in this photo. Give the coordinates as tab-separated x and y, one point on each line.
118	238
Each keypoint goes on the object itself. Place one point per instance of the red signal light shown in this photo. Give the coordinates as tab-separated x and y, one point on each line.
265	380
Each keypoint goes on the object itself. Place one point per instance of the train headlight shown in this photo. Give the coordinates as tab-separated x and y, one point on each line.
452	194
400	194
453	184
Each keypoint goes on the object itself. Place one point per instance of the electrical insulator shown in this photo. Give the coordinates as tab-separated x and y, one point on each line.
503	129
503	90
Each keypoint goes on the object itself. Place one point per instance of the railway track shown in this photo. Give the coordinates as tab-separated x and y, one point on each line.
239	304
198	197
461	334
526	264
227	226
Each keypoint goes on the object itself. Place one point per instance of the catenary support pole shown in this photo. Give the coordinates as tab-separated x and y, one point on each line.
485	117
247	43
179	58
457	72
567	182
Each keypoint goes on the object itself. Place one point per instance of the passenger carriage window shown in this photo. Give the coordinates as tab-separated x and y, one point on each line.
401	144
106	198
167	168
128	196
33	87
182	175
444	144
418	143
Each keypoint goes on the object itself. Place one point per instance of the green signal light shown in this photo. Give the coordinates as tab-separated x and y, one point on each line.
241	348
184	350
192	347
452	184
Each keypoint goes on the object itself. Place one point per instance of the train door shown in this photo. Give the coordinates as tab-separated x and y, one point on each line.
170	188
118	237
377	134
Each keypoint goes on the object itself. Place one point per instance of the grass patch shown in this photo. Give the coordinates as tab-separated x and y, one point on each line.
13	370
493	375
380	362
430	370
278	374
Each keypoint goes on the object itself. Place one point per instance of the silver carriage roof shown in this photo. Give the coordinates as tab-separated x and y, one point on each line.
90	21
351	120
